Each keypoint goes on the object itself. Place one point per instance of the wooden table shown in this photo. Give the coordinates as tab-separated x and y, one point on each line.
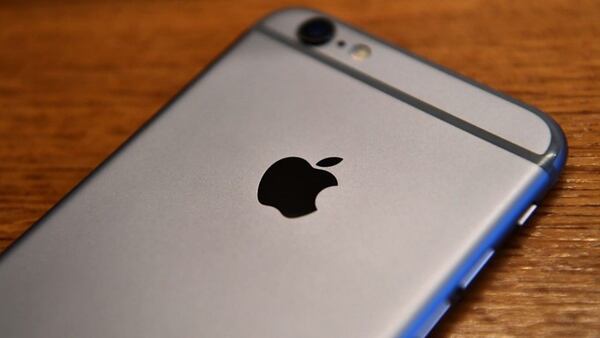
77	79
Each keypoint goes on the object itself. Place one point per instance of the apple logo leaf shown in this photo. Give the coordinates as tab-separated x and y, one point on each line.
329	162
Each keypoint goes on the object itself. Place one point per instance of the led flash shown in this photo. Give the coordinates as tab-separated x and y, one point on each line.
360	52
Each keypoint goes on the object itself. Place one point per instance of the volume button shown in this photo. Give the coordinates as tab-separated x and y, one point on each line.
523	219
433	319
476	268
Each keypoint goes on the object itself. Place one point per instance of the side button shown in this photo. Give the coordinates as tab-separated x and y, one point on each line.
433	319
523	219
476	268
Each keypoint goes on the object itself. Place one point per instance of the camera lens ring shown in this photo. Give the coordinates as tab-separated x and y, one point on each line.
316	31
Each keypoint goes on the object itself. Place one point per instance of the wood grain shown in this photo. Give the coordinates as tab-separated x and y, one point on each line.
76	79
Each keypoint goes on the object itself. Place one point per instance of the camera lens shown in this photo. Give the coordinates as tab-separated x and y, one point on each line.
316	31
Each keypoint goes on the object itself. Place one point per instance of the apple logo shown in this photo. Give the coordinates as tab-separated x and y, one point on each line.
291	185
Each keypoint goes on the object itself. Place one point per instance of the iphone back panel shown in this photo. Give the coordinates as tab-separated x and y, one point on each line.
290	190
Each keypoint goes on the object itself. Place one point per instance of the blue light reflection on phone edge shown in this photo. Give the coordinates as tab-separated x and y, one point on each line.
508	220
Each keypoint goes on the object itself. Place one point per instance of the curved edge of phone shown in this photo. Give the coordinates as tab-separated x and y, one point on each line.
552	160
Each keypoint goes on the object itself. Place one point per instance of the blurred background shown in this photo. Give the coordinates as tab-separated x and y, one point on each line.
77	78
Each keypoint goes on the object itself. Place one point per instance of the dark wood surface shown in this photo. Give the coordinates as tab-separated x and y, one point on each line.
76	79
